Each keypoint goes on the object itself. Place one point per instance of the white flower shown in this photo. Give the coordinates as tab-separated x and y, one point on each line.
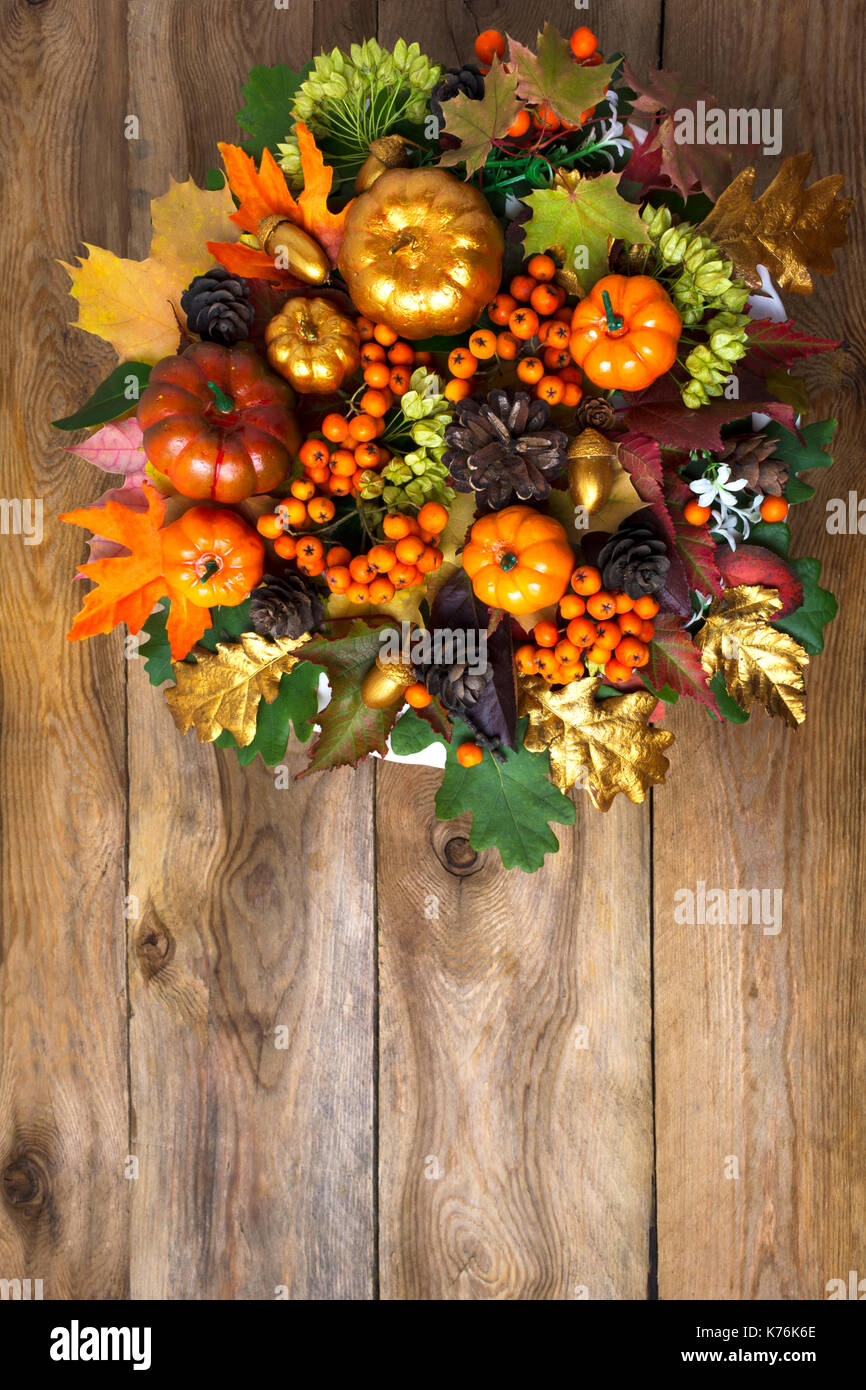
734	523
717	487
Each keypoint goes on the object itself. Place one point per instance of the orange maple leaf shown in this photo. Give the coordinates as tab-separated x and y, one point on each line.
251	263
265	191
128	587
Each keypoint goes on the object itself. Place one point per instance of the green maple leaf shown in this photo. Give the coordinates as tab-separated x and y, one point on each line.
806	624
511	803
478	124
156	651
349	730
295	706
800	455
577	222
267	116
551	75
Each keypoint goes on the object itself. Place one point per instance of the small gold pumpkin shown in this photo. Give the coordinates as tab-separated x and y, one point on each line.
313	345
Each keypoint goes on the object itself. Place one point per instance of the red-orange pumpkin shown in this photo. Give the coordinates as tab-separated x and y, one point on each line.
218	424
212	557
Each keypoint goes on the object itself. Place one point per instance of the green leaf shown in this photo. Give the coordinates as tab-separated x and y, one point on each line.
575	223
728	707
227	625
477	124
775	535
511	803
412	734
267	116
117	395
665	693
552	76
800	455
295	706
157	649
806	624
349	730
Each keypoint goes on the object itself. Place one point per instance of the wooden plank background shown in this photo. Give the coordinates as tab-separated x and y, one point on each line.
495	1086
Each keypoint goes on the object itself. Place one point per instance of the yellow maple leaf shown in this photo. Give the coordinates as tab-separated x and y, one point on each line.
135	305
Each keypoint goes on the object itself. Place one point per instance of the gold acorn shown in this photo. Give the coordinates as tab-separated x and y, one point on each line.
388	152
590	474
299	254
386	683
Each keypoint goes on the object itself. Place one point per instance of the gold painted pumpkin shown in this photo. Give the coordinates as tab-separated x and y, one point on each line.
421	252
313	345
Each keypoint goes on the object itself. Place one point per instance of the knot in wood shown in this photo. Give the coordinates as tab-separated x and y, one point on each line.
459	854
154	946
25	1182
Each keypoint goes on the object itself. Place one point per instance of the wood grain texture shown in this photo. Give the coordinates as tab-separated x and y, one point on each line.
255	903
63	1094
515	1137
759	1038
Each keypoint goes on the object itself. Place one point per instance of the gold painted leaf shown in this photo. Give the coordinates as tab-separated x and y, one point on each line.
606	744
759	662
222	689
790	229
134	305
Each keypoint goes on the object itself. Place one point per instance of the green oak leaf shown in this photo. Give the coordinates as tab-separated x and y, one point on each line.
802	454
117	395
411	734
227	625
577	222
551	75
477	124
269	94
349	730
156	651
295	707
728	706
511	803
819	607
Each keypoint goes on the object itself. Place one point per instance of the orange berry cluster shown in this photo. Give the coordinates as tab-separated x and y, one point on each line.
401	561
604	629
536	330
491	44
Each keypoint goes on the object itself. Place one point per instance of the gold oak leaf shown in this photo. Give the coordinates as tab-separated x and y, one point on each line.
758	662
608	743
790	229
222	689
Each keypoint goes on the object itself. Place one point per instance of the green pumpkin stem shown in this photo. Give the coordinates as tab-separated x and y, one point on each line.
614	322
224	403
508	561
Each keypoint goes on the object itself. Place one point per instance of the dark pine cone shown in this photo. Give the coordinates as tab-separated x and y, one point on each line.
285	607
594	413
749	458
467	80
635	560
217	307
502	446
457	684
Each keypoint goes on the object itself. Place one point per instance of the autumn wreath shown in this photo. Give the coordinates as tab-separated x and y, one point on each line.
456	415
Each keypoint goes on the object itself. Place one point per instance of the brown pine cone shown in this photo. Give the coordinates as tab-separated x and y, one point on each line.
502	446
635	560
285	607
594	413
749	457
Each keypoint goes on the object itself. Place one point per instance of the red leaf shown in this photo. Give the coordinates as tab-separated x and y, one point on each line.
694	543
641	458
675	426
773	345
689	165
676	661
350	730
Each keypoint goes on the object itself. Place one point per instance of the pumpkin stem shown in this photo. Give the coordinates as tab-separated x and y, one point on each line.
508	561
211	568
614	322
224	403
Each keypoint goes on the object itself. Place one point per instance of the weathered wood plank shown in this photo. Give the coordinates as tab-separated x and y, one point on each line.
255	902
63	1085
759	1044
515	1132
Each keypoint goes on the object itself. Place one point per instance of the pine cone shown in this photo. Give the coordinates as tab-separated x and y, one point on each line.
217	307
285	607
594	413
635	560
457	684
501	446
749	458
466	80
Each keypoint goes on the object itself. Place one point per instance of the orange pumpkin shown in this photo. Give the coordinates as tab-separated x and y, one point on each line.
518	560
625	333
212	557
